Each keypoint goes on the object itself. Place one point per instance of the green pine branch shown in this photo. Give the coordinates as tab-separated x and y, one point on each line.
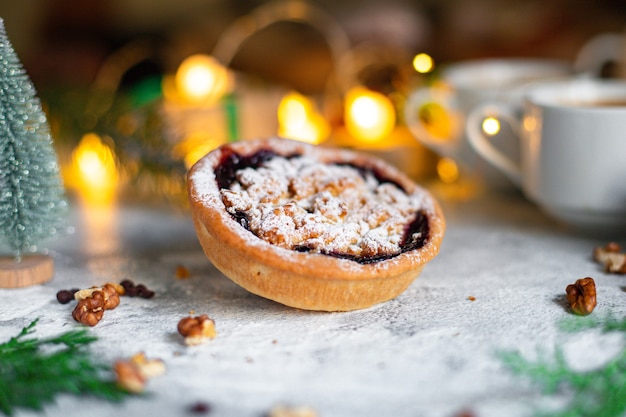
34	371
596	393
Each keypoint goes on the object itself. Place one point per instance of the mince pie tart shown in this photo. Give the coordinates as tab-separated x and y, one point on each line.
312	227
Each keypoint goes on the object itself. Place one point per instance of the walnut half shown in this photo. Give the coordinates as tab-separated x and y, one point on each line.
582	296
197	330
612	257
93	301
89	311
132	374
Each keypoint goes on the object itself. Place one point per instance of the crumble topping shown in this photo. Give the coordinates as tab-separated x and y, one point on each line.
298	203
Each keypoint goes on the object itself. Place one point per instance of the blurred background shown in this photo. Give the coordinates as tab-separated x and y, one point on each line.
109	72
66	41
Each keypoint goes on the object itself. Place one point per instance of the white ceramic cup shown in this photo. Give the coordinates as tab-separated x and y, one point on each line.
572	138
465	85
602	49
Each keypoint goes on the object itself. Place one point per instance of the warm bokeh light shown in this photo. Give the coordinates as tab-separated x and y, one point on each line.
447	170
201	79
195	146
299	119
491	126
436	120
369	116
93	172
423	63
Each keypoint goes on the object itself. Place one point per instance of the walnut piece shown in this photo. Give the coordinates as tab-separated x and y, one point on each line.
93	301
86	293
111	294
182	272
118	287
611	256
133	374
582	296
197	330
128	377
89	311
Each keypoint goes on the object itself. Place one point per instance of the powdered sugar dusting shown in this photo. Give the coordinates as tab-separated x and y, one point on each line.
301	204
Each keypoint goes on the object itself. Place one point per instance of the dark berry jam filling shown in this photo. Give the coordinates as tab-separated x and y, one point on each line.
231	162
415	234
242	218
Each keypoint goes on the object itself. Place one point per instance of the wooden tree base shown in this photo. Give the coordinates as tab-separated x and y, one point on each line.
32	270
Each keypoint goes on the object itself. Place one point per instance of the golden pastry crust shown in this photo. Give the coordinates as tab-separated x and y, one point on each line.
311	281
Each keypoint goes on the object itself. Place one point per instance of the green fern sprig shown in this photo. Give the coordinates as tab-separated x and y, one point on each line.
595	393
34	371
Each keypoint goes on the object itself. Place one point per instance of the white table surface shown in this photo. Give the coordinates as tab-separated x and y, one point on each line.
429	352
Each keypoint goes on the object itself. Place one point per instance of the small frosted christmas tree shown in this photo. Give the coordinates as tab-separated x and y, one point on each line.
32	203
